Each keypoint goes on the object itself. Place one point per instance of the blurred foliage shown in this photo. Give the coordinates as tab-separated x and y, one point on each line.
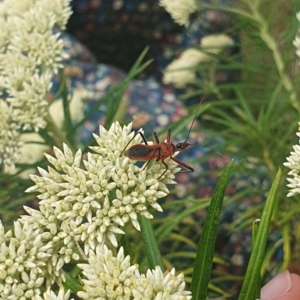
257	116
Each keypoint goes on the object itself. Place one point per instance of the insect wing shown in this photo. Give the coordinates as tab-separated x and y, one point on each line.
140	152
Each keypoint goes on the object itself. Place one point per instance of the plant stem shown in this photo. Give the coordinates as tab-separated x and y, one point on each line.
271	44
269	41
58	134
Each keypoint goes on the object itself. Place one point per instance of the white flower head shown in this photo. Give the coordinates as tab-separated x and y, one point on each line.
9	138
215	43
112	277
182	71
293	163
24	253
93	203
107	276
157	285
50	295
297	38
30	53
179	10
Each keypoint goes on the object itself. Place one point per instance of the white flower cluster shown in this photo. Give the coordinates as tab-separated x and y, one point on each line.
32	145
297	38
24	257
30	52
182	71
293	163
215	43
50	295
112	277
180	10
94	202
85	208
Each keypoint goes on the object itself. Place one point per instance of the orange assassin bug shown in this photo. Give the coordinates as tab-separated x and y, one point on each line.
159	150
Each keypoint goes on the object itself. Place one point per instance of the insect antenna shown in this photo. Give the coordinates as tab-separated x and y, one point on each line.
214	150
196	114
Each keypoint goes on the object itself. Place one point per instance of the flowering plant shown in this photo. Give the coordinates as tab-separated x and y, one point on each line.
74	241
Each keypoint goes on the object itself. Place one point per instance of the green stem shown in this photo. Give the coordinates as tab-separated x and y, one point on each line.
268	161
271	44
286	235
228	9
58	134
269	41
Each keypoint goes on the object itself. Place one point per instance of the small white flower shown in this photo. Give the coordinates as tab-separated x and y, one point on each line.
293	163
156	285
180	10
94	203
112	277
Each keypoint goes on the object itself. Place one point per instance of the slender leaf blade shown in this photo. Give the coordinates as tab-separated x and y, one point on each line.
205	251
258	253
149	240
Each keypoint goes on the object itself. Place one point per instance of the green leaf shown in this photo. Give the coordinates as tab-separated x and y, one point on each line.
252	276
72	283
149	240
205	251
66	106
165	228
255	226
113	97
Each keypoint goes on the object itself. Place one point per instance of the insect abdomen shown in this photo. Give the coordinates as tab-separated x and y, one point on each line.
139	153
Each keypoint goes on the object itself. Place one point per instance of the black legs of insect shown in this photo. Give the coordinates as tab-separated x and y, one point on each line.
143	137
158	151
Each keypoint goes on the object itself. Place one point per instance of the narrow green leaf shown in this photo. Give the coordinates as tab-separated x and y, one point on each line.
66	106
164	229
258	253
255	226
286	237
152	251
205	251
114	96
114	101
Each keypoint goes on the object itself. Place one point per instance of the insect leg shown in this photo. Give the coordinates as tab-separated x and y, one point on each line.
156	139
166	169
158	149
159	156
143	137
182	164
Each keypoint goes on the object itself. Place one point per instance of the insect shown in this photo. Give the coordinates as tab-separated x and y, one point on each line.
159	150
